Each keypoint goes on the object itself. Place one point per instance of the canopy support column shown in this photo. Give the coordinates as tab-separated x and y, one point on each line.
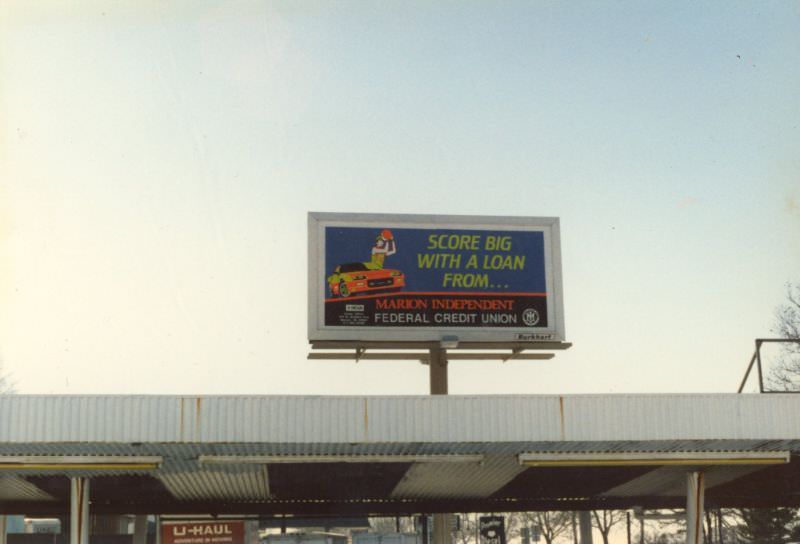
140	529
79	511
442	524
585	524
695	495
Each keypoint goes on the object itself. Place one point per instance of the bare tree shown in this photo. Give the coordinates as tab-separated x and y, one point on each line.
514	522
664	526
468	529
573	521
551	524
785	375
604	520
390	524
666	538
6	385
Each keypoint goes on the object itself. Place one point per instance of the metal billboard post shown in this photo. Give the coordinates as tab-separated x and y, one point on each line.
755	360
437	370
760	372
747	373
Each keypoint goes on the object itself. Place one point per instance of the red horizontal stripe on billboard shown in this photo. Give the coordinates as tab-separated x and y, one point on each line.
437	293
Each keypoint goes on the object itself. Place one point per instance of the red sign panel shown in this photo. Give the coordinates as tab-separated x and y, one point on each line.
203	532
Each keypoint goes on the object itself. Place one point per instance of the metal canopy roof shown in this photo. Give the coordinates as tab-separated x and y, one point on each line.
360	455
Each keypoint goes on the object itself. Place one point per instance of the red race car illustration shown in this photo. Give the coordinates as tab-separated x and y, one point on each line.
352	278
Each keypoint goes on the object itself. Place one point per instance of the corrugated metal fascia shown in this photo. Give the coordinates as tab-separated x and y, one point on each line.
281	419
82	473
320	421
43	418
462	419
190	452
684	417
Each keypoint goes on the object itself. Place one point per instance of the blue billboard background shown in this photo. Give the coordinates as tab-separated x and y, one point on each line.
516	267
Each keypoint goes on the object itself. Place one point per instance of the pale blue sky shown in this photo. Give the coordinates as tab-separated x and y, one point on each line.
158	161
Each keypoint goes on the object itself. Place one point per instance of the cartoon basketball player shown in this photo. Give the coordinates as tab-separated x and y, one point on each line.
384	247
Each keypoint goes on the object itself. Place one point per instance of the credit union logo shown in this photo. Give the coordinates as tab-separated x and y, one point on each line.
530	317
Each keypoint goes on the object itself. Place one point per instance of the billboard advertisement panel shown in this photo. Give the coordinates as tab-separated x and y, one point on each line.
423	278
202	532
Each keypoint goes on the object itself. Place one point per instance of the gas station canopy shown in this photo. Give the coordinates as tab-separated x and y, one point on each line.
319	456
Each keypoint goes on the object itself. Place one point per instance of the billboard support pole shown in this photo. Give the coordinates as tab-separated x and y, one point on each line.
437	367
760	373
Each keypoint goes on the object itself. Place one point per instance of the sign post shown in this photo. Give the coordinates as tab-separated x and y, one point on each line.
437	370
433	283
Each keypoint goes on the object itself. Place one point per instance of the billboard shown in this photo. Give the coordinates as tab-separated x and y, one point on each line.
202	532
429	278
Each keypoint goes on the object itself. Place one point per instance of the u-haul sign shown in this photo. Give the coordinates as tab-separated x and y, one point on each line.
203	532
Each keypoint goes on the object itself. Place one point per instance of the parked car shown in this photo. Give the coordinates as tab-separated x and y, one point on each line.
357	278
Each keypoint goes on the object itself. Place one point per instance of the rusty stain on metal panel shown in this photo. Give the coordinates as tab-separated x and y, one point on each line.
197	412
366	419
561	409
180	430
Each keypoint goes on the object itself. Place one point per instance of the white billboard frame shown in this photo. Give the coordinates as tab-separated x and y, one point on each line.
549	226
